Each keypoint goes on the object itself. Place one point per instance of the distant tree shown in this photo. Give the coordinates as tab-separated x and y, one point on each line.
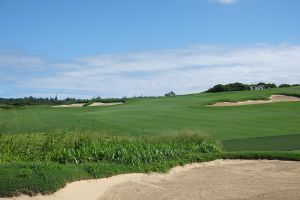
218	88
270	85
285	85
238	87
170	94
230	87
26	101
260	86
241	87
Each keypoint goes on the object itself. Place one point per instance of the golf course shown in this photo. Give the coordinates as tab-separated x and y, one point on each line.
43	147
236	127
149	100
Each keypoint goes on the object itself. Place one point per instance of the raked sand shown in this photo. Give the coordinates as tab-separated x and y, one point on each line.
74	105
95	104
219	179
273	99
105	104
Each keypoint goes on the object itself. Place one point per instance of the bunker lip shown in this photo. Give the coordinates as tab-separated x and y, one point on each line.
272	99
95	104
234	179
74	105
105	104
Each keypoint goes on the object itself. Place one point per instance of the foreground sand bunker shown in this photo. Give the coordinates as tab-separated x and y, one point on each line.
220	179
273	99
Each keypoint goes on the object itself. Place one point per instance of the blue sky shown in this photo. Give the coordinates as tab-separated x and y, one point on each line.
132	47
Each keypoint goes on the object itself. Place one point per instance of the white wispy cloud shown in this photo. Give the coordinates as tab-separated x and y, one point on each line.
225	1
185	70
17	59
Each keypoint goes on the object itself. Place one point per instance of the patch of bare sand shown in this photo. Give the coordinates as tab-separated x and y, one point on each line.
273	99
105	104
74	105
219	179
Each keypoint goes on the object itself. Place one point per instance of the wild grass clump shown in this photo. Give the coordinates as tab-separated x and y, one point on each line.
85	148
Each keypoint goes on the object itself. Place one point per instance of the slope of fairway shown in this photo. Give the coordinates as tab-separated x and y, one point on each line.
179	114
269	143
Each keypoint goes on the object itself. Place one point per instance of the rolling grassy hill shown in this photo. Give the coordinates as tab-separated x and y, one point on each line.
173	115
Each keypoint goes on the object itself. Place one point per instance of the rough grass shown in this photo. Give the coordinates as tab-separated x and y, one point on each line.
83	148
35	177
43	163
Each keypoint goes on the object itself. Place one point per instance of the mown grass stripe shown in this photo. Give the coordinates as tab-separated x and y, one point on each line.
270	143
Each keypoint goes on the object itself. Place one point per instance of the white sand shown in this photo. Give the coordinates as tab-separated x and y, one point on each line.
105	104
220	179
74	105
273	99
77	105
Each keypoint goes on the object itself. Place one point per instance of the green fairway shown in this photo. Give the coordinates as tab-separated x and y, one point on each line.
269	143
152	116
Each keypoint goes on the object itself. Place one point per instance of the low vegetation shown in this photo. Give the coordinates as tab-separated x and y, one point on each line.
82	148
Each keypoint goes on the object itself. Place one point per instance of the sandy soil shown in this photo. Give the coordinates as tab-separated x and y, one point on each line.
273	99
75	105
105	104
220	179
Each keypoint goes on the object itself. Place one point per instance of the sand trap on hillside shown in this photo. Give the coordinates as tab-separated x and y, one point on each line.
105	104
273	99
219	179
75	105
